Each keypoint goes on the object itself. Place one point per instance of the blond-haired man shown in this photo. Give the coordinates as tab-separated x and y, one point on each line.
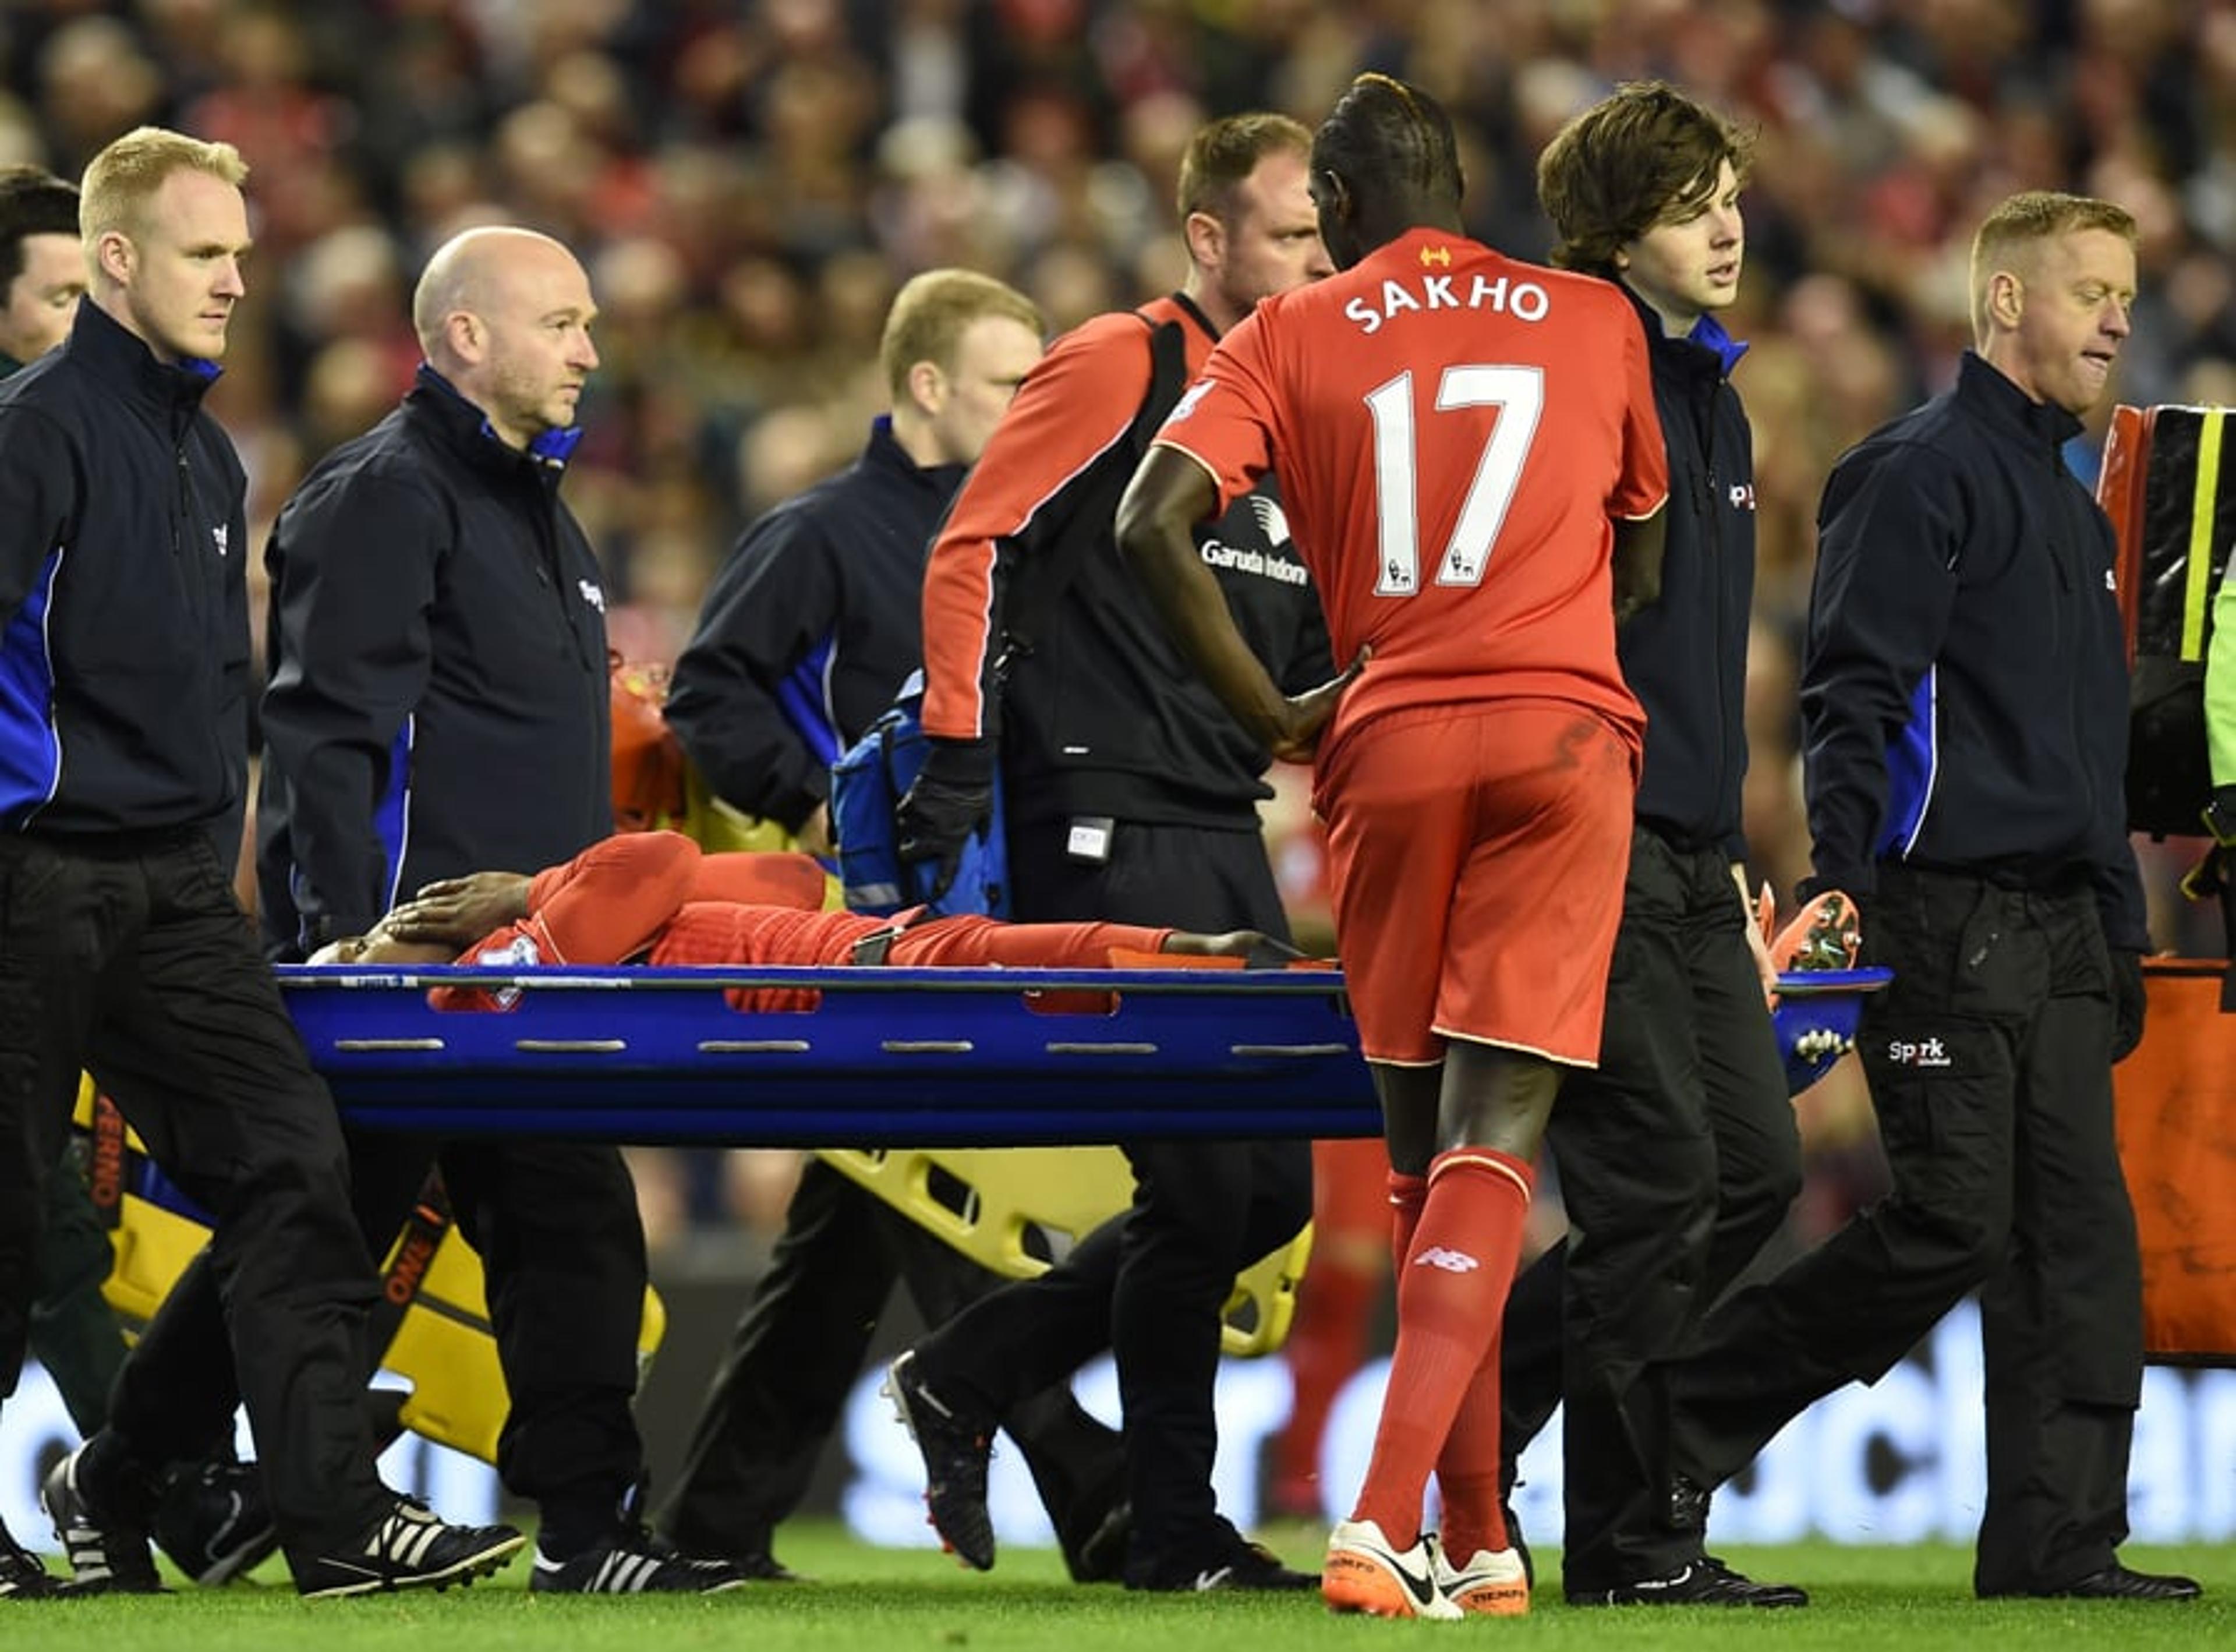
123	622
1964	697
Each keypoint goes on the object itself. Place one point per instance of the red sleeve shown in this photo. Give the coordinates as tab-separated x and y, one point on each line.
607	904
1074	406
1644	486
786	879
1226	420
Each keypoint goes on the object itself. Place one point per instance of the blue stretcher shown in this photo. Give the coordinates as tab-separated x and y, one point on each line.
886	1057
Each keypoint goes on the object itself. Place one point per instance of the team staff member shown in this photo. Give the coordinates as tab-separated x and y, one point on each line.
73	1331
438	702
1964	695
806	634
1131	796
1643	190
1454	431
123	721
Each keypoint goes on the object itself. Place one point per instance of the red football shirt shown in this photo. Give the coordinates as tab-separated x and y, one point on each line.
1454	431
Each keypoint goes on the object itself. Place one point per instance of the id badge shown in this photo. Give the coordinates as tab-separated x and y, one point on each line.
1089	839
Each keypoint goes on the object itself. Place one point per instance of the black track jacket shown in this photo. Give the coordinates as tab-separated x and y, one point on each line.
438	702
1964	688
123	602
1685	656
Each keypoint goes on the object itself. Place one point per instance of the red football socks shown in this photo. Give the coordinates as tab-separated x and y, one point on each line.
1452	1285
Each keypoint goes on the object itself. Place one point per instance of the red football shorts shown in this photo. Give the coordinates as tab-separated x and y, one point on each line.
1478	854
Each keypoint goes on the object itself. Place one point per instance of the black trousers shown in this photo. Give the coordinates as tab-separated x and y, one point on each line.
1148	1286
1678	1158
801	1343
1989	1063
563	1264
129	958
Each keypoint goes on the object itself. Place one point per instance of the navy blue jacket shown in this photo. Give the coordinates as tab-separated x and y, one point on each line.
1685	656
1964	686
123	601
438	701
808	630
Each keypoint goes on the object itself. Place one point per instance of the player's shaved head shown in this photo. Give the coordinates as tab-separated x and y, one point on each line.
1384	161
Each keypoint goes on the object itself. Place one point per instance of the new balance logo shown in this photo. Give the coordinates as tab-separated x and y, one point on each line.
1922	1052
1452	1261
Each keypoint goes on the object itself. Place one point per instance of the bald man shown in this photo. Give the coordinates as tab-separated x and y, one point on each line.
437	705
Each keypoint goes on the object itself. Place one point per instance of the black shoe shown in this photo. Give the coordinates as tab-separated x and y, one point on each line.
107	1548
1101	1558
1704	1582
635	1562
408	1548
23	1575
1237	1564
761	1567
955	1448
2117	1582
214	1522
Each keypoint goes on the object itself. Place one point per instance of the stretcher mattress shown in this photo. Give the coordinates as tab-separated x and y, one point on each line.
928	1057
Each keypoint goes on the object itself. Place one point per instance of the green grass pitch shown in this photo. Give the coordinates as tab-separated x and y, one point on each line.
1901	1600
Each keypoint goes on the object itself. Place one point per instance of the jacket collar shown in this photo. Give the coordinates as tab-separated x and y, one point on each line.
1985	387
885	451
121	357
466	429
1708	336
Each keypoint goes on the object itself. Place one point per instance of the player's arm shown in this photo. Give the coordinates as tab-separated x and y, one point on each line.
604	905
1170	493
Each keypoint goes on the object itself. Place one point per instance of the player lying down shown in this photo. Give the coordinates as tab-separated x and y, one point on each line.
653	898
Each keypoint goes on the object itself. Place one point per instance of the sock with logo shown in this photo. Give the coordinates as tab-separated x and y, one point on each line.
1451	1292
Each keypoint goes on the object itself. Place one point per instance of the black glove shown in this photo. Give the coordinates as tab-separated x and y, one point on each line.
953	796
2129	1001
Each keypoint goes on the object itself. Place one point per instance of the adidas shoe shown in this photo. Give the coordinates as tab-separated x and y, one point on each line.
23	1575
1365	1573
408	1548
1492	1583
956	1449
108	1550
636	1563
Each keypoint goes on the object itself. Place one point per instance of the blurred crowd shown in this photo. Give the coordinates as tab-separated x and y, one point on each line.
749	180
